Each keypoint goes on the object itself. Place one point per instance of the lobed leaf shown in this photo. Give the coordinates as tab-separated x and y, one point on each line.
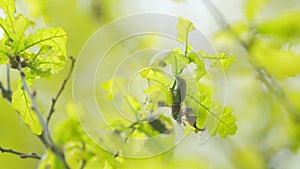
227	124
3	52
18	34
177	59
21	102
220	61
8	7
184	27
50	44
52	52
163	89
200	67
154	74
220	120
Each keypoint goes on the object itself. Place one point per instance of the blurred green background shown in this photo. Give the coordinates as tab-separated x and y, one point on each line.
268	133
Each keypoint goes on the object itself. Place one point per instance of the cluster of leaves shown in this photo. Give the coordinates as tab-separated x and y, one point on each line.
33	54
38	54
42	53
188	99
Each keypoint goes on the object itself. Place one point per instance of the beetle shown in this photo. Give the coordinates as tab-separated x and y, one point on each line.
178	96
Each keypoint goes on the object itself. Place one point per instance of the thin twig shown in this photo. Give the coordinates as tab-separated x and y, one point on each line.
20	154
265	78
32	99
83	163
5	93
8	79
54	100
46	137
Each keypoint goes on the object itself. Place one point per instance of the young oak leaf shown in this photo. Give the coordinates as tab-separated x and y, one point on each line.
6	23
215	117
220	120
184	27
8	7
220	61
200	67
52	54
14	27
162	89
3	53
227	124
177	60
21	102
50	43
154	74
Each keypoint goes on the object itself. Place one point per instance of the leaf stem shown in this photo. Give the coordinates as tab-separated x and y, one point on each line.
20	154
187	40
62	87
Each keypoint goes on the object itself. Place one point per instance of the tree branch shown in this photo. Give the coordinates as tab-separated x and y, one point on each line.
54	100
5	94
83	163
20	154
8	80
46	137
265	78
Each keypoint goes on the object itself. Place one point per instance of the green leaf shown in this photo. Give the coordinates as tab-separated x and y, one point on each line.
50	161
215	117
134	103
220	120
285	27
184	27
20	25
154	74
253	7
114	86
219	61
275	60
75	153
202	116
3	52
166	93
8	7
37	7
52	54
227	124
14	27
200	67
21	102
177	59
51	44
